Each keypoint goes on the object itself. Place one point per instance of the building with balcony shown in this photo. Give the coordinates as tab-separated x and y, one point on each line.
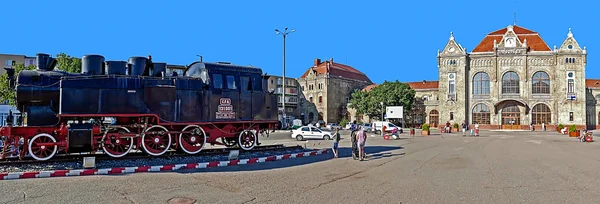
295	107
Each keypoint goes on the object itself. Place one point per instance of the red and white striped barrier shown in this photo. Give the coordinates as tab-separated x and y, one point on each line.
172	167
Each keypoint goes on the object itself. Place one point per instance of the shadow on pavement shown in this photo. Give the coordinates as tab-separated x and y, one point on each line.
375	152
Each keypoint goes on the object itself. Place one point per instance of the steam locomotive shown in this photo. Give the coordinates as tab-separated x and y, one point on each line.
117	106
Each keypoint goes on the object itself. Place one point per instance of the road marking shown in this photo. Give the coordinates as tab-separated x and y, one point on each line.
535	141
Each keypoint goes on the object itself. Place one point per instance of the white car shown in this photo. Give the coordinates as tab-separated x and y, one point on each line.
308	132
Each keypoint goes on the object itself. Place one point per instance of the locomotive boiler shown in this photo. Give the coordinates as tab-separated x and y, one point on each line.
118	106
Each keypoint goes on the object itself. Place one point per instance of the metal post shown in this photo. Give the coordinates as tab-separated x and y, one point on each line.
283	81
284	34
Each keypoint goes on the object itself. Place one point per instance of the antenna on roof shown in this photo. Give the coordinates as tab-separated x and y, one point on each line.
515	13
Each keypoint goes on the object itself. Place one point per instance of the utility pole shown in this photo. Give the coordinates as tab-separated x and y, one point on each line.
284	34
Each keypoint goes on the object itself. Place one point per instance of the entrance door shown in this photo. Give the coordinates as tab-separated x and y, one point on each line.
511	117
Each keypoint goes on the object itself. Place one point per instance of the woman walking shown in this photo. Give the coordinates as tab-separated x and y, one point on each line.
361	139
336	141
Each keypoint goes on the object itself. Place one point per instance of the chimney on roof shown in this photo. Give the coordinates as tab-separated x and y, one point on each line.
424	81
317	61
331	60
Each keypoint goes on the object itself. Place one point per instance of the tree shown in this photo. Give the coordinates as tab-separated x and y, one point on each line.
8	93
67	63
390	93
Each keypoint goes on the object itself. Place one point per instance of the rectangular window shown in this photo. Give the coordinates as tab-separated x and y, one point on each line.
217	81
451	86
8	63
570	116
278	90
271	81
320	99
278	81
451	115
246	84
231	82
571	86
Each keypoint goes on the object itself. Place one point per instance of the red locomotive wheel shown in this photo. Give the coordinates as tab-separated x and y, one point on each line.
247	140
193	142
154	140
116	146
38	150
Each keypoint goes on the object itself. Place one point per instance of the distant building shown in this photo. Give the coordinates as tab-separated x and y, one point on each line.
292	100
329	86
10	60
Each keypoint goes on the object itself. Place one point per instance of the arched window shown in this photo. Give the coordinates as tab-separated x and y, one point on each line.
434	117
481	114
510	83
481	84
541	114
541	83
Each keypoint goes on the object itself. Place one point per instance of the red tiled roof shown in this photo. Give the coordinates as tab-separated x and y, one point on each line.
534	41
517	29
369	87
592	83
337	69
423	85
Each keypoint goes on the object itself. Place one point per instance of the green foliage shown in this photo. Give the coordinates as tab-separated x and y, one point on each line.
6	92
344	122
455	125
390	93
561	126
67	63
425	127
572	128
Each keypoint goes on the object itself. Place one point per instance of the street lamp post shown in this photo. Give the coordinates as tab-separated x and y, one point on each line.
382	118
284	34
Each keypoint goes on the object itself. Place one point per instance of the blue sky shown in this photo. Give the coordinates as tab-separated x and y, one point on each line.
387	40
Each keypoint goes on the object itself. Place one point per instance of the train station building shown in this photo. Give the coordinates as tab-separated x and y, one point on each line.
510	80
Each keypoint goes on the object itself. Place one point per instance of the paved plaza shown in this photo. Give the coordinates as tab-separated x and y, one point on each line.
498	167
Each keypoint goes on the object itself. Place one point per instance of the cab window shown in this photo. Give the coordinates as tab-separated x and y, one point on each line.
315	130
305	129
231	82
217	81
246	84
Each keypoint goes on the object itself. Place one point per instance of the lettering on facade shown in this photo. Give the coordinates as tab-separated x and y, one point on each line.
225	109
511	51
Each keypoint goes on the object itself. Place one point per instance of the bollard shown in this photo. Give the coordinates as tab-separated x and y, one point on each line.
233	154
89	162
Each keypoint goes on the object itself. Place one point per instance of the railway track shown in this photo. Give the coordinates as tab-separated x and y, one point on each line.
142	155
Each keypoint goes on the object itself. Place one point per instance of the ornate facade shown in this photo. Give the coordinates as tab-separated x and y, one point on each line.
510	80
329	85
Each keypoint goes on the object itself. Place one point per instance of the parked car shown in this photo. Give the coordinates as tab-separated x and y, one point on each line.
333	126
368	127
308	132
377	126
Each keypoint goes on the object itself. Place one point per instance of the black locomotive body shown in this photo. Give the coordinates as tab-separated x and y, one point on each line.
209	101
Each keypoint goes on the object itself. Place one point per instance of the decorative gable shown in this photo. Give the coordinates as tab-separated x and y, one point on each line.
510	39
570	45
452	48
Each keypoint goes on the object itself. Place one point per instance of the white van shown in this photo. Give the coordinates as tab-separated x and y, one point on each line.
378	125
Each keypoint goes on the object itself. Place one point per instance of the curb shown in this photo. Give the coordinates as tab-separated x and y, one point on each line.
161	168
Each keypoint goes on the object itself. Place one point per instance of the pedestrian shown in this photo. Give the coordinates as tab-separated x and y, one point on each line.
464	129
543	126
353	140
476	129
447	126
361	140
336	141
